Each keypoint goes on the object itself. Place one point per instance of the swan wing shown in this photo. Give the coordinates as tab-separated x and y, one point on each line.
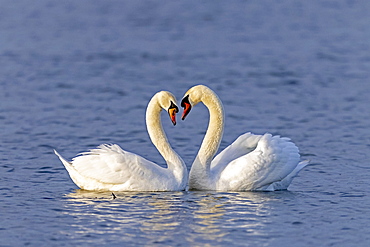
273	159
243	145
109	164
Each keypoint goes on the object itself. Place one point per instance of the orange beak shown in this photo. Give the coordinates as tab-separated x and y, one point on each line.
172	113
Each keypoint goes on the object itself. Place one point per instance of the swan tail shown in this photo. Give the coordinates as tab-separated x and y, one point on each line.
68	165
295	172
302	165
284	183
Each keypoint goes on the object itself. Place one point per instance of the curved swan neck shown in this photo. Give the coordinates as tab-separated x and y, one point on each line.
159	138
213	136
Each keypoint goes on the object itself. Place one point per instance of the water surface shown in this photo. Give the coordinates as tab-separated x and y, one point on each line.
74	75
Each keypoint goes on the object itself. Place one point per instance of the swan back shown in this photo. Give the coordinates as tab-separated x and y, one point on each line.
108	167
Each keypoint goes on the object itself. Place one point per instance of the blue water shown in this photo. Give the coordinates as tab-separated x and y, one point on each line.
76	74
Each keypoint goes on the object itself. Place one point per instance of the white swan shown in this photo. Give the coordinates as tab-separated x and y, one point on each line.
250	163
109	168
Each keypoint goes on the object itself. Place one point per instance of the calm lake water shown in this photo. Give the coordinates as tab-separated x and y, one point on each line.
76	74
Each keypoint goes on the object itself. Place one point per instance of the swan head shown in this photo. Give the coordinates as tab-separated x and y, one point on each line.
167	101
192	97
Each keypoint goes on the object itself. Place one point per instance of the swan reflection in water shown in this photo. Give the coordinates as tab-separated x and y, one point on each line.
225	217
161	217
137	217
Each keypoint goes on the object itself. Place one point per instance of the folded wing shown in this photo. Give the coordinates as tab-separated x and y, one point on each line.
273	159
243	145
108	165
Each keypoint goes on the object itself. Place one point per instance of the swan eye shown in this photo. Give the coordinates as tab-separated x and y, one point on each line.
186	105
173	106
185	101
172	110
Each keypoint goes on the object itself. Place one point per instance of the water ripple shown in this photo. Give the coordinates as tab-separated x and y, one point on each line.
77	74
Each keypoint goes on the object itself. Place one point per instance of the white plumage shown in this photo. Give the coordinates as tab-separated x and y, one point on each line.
250	163
109	168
